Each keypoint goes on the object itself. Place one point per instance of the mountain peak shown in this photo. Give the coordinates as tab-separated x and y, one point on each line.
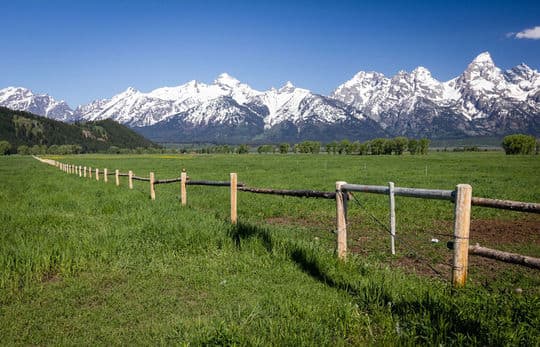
130	90
287	87
226	79
483	57
421	71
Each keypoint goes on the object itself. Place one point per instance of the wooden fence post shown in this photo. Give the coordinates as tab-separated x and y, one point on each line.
341	220
105	179
461	234
130	179
97	174
90	172
117	178
80	171
234	187
152	190
183	193
84	171
392	217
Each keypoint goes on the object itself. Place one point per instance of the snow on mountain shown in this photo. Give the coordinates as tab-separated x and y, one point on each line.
483	100
298	105
404	102
23	99
139	109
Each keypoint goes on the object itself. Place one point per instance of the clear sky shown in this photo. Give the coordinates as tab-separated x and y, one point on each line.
83	50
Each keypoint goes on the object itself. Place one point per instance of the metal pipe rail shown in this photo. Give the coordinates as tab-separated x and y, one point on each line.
410	192
448	195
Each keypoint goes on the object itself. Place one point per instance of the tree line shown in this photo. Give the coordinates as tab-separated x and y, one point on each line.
378	146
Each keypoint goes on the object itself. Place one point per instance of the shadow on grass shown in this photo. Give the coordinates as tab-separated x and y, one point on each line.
432	316
243	231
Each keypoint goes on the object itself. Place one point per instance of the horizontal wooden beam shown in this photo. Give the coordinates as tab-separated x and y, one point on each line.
296	193
506	257
507	205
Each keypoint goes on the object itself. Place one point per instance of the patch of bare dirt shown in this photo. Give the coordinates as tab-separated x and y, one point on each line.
50	277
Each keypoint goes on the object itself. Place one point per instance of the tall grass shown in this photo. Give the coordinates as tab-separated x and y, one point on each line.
83	262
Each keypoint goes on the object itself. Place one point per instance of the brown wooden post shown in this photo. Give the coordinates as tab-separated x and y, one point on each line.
84	172
152	190
183	193
117	178
341	220
461	234
130	178
97	174
90	172
80	171
234	183
105	179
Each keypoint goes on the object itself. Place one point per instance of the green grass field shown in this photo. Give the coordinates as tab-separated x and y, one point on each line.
84	262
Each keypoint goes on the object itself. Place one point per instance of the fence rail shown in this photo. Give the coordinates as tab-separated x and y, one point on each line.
461	197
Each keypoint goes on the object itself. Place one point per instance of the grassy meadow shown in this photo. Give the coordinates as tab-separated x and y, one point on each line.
84	262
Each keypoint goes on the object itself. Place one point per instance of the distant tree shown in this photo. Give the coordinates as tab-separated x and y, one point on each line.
313	147
265	149
53	149
423	145
376	146
5	147
331	147
355	147
388	146
363	148
284	148
412	146
36	150
400	145
243	149
344	146
23	150
519	144
113	150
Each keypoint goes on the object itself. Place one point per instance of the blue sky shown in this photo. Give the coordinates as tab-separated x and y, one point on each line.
84	50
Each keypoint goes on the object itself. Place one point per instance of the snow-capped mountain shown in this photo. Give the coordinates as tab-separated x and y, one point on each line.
285	113
483	100
138	109
23	99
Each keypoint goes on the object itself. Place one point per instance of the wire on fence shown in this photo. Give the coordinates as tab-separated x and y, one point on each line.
400	237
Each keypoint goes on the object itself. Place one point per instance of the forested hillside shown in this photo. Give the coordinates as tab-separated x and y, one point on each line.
23	128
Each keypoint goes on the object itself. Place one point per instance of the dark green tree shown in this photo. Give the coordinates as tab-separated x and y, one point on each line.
519	144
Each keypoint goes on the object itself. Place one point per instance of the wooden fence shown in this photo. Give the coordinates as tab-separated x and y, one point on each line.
461	197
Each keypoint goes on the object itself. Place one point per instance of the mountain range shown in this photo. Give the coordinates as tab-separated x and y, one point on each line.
482	101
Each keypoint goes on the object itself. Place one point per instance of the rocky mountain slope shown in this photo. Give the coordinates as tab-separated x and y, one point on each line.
482	101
